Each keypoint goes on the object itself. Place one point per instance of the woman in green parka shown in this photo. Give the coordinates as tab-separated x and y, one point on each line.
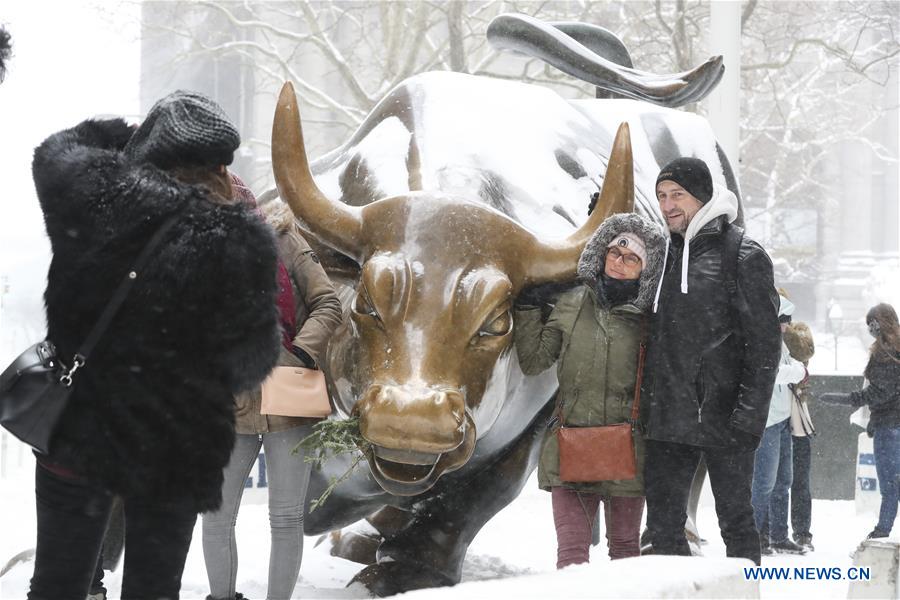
593	336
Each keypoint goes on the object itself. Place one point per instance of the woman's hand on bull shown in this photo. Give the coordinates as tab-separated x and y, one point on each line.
540	295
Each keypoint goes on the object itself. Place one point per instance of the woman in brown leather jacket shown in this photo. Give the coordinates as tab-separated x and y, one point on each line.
310	310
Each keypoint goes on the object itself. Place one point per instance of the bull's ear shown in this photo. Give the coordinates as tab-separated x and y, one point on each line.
340	267
558	262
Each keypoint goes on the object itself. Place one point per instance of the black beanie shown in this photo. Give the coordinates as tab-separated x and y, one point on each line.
690	173
184	129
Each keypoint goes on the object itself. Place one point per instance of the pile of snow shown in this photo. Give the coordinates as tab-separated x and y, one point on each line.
514	556
644	577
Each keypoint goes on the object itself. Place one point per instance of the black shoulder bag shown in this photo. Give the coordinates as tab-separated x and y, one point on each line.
34	389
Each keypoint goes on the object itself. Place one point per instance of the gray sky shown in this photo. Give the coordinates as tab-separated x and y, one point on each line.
72	60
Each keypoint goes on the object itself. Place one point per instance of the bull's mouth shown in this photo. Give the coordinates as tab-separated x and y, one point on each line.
408	473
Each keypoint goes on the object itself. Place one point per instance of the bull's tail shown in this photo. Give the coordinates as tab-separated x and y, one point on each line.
595	55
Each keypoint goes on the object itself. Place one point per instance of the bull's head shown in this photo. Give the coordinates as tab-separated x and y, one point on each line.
432	313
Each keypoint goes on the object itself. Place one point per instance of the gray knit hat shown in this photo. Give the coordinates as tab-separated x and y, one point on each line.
184	129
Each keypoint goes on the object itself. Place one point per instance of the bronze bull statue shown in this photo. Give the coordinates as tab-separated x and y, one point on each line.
455	194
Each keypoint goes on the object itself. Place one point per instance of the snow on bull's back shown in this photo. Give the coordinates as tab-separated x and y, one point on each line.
519	148
658	135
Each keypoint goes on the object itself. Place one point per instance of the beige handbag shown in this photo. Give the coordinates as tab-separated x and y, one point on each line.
295	392
801	422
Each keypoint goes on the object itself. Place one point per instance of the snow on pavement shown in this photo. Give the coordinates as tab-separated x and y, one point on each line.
512	557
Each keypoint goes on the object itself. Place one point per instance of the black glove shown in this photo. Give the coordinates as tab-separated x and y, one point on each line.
838	398
542	295
305	358
529	298
593	202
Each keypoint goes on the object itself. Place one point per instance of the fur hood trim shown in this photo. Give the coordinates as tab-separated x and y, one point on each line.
799	340
593	258
279	216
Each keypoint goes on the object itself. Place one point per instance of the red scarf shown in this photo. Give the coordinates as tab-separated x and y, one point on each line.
286	305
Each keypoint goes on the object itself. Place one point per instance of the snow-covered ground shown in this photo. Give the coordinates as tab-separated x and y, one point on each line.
513	556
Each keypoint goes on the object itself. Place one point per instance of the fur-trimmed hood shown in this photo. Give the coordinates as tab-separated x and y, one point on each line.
279	216
593	258
799	340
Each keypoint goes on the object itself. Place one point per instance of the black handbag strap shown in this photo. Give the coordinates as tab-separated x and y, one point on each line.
118	298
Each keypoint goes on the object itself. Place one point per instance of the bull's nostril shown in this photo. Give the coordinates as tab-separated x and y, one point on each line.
414	419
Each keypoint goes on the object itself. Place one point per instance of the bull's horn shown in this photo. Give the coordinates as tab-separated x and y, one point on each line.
530	36
557	262
335	223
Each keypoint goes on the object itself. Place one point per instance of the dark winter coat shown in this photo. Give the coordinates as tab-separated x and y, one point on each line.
713	353
152	412
595	347
317	314
881	395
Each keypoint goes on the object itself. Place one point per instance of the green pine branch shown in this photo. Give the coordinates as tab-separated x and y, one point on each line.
333	438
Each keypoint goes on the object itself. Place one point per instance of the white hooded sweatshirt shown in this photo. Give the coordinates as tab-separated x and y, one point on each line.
723	202
790	370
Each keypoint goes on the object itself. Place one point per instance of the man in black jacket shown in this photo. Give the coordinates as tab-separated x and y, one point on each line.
711	362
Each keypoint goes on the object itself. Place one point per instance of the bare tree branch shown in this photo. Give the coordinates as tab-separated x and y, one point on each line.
334	55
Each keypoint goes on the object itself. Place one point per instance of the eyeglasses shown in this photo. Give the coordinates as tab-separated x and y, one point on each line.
631	260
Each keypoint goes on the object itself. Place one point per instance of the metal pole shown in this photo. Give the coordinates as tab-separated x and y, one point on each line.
724	102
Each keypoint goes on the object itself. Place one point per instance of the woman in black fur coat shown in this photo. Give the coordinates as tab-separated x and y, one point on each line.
151	417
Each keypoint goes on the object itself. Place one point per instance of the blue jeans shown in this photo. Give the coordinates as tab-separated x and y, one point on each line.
773	473
887	467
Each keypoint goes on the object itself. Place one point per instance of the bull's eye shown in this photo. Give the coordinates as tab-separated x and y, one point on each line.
363	306
496	325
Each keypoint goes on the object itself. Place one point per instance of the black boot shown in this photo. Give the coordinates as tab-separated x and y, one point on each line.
787	546
805	541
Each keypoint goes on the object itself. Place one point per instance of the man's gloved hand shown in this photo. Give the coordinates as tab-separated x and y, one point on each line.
305	358
745	441
842	399
593	202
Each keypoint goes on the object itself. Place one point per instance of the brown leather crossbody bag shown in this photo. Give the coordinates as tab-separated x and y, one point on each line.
605	452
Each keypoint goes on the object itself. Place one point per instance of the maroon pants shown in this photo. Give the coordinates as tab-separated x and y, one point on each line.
573	514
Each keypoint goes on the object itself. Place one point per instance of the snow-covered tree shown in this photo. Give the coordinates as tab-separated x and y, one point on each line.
816	76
